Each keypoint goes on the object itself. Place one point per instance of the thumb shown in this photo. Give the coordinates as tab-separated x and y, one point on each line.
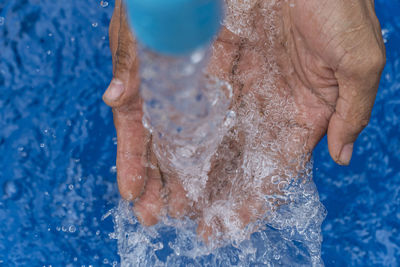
124	87
357	92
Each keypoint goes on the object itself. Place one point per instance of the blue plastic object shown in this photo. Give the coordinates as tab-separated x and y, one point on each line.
175	27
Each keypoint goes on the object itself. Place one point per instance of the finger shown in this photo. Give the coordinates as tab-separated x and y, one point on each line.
178	203
358	84
149	206
124	87
123	96
131	152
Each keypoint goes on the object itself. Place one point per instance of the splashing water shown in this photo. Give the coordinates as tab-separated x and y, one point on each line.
258	197
293	239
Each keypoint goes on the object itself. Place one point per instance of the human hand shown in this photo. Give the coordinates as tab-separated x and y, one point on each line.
330	55
335	53
311	76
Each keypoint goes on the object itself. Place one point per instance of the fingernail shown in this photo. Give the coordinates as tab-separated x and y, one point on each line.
115	90
345	154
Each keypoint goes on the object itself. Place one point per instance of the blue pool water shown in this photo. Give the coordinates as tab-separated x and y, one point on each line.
57	146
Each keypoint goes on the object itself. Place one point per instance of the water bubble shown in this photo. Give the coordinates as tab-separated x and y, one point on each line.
95	24
42	145
2	21
48	52
72	229
275	179
104	4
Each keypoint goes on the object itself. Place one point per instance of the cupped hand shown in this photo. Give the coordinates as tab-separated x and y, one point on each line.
336	52
329	55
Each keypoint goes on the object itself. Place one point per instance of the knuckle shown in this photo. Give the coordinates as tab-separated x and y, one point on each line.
377	60
363	64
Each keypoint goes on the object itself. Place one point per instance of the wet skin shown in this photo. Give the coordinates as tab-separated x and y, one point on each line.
330	55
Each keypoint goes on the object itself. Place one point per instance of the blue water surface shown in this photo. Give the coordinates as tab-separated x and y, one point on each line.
57	146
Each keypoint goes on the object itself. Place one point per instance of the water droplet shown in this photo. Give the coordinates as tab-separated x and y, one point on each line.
71	187
95	24
230	119
113	169
72	229
275	179
104	4
385	35
48	52
42	145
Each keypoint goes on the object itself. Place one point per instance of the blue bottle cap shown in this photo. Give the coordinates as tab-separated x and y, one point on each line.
175	27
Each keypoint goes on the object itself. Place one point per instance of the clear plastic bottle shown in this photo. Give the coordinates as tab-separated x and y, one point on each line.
185	108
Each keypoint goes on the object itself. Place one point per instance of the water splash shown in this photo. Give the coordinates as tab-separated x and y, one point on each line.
259	201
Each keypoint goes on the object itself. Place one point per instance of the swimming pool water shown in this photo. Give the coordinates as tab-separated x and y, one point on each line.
57	146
